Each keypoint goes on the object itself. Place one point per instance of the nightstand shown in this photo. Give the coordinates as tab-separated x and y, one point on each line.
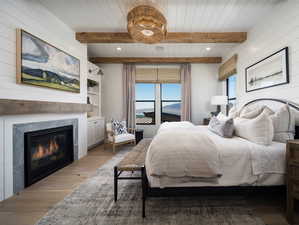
138	135
206	121
292	159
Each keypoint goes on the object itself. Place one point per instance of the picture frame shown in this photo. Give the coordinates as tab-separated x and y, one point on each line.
42	64
268	72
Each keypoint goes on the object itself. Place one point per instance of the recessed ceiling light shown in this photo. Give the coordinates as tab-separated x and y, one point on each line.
208	48
118	48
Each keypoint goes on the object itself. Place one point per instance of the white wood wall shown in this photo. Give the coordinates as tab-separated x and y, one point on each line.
34	18
274	32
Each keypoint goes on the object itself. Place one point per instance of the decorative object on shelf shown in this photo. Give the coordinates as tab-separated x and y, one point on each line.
292	159
268	72
94	69
40	63
88	100
91	83
218	101
146	24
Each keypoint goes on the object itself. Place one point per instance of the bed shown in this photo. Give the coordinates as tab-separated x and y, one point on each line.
244	165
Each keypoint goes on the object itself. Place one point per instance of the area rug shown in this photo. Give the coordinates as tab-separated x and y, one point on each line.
92	204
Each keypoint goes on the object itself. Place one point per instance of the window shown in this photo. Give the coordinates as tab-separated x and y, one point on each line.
231	86
170	102
145	103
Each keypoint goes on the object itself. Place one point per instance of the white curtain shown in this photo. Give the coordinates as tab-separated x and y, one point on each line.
129	74
186	92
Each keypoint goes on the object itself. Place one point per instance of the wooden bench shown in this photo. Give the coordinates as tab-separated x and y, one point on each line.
133	161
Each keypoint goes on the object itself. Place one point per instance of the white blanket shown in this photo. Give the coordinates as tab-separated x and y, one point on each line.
243	162
181	153
166	126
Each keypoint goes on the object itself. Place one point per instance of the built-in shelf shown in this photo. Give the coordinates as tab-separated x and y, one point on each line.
95	78
93	93
20	107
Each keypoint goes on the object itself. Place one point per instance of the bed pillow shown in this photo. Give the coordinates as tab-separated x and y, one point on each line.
224	128
252	112
284	124
233	112
258	130
221	116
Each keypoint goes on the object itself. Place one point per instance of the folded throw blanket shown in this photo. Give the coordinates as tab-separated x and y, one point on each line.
175	125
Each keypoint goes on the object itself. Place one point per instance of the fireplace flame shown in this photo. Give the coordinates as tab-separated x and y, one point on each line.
44	151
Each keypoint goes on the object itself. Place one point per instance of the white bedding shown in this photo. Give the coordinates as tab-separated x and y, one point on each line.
183	153
241	163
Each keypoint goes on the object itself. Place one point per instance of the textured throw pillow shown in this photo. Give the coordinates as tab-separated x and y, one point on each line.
221	116
119	127
258	130
284	124
252	112
224	128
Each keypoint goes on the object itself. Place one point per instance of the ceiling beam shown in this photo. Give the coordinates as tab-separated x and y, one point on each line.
156	59
171	37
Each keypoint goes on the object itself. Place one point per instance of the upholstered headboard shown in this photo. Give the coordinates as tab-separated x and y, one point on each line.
274	104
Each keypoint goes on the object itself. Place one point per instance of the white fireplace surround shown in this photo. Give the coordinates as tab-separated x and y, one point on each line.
7	124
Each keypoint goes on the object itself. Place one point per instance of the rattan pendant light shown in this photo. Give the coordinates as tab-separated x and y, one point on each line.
146	24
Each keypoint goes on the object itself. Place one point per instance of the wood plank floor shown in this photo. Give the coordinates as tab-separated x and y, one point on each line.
30	205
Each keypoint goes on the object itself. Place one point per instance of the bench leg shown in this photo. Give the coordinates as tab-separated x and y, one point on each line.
115	183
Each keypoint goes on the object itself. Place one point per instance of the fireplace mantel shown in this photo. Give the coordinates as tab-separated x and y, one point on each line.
20	107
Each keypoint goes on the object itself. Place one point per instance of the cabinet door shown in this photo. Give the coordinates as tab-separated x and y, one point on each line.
91	133
98	128
102	129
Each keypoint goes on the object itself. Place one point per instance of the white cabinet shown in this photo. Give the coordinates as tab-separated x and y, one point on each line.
96	131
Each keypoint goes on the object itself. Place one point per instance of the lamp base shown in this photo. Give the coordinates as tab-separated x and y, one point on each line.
218	108
217	111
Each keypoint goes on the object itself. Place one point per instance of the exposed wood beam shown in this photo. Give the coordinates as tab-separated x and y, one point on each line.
156	59
172	37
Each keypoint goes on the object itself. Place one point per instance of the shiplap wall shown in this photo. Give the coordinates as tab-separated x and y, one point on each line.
34	18
274	32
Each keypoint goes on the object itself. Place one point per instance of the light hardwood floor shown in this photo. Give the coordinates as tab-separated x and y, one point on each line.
31	204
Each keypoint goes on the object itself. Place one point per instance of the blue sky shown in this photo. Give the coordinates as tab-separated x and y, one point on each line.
232	86
147	91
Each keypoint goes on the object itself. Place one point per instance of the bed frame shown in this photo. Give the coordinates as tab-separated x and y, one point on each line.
148	191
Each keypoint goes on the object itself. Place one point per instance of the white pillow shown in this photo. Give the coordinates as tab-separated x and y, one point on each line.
284	124
233	112
252	112
258	130
222	117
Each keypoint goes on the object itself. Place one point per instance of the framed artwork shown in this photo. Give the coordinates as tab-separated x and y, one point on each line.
40	63
269	72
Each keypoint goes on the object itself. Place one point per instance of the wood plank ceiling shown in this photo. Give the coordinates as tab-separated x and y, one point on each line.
182	16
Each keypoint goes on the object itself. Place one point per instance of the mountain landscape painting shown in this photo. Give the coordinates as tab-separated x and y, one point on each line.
44	65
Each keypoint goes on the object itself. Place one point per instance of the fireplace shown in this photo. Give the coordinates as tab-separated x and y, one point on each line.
47	151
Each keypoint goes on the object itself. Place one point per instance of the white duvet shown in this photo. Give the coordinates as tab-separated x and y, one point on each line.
240	161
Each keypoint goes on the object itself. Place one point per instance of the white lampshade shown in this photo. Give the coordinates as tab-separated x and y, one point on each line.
219	100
